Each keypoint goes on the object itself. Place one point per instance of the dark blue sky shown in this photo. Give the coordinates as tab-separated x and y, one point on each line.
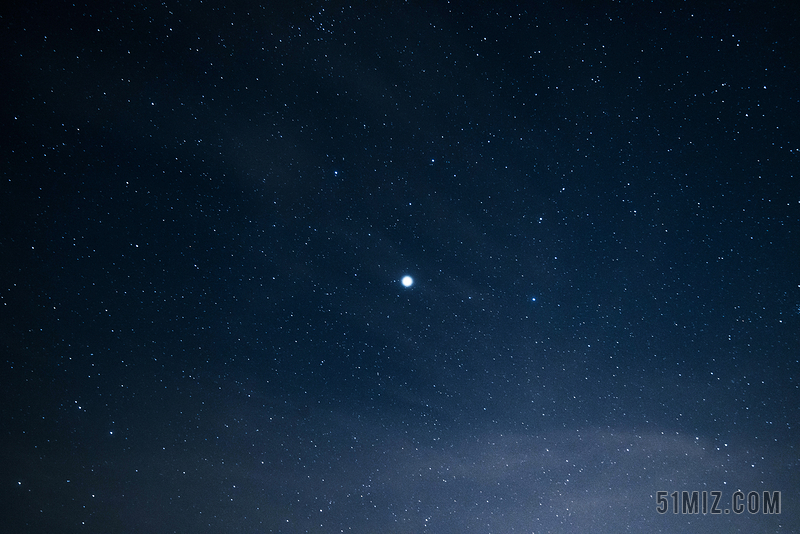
207	211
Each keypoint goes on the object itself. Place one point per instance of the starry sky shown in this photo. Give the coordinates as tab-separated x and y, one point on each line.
208	210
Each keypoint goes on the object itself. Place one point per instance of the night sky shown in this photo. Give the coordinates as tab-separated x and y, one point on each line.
207	212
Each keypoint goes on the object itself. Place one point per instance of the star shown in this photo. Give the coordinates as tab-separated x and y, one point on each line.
407	281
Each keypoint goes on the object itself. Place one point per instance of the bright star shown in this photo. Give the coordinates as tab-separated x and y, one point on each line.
407	281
